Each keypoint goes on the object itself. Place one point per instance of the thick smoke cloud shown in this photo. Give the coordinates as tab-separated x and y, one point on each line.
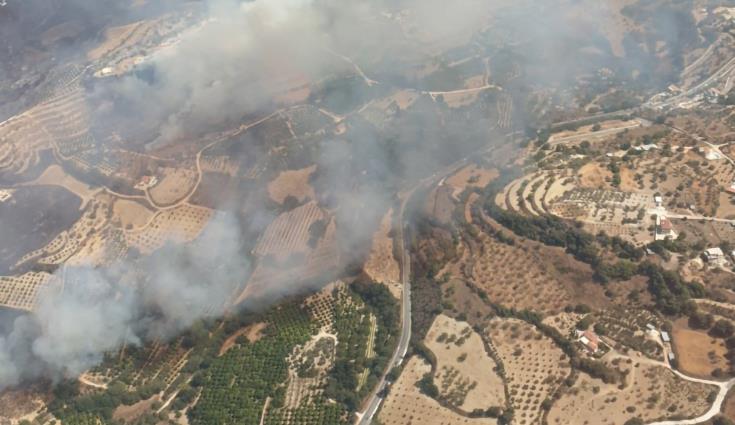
100	310
231	67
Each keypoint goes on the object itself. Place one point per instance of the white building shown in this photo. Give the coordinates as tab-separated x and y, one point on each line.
714	255
5	195
665	337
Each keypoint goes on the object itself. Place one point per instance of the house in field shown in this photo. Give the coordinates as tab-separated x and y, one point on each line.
590	340
664	229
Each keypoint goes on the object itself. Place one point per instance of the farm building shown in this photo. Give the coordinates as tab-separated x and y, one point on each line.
664	228
665	337
590	340
714	255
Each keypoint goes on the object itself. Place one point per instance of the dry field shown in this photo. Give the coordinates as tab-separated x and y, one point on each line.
529	275
470	176
608	129
118	37
22	292
381	266
697	353
174	185
651	392
594	176
563	322
130	214
465	375
181	224
534	366
55	175
405	405
251	332
288	253
289	232
91	229
293	183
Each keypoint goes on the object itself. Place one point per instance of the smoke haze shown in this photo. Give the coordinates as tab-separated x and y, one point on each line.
233	66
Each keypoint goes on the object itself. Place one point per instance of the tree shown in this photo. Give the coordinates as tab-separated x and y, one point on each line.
722	329
721	420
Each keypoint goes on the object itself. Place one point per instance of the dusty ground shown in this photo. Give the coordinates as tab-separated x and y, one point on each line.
381	266
406	405
698	353
55	175
134	411
131	214
470	176
253	333
292	183
651	392
534	366
114	38
607	129
173	185
593	175
463	363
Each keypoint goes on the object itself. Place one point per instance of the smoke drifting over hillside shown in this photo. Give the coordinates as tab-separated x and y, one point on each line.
159	296
232	67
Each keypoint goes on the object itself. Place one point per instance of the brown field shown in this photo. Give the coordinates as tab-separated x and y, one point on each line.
293	183
55	175
173	185
593	175
698	354
534	366
115	37
381	266
252	332
406	405
528	274
131	214
465	374
289	232
129	414
288	255
470	176
181	224
22	292
651	392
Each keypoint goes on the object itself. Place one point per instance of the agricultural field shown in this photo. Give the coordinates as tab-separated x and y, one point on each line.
23	292
697	353
173	185
405	404
651	392
527	275
466	375
293	184
534	366
183	223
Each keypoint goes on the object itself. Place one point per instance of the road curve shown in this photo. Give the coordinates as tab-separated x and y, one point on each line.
713	411
366	416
